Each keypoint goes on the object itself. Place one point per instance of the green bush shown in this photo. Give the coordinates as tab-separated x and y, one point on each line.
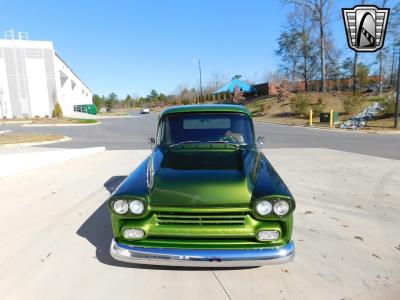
377	99
389	107
300	105
57	112
185	101
352	104
318	107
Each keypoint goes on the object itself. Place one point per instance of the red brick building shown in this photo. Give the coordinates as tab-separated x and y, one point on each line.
343	84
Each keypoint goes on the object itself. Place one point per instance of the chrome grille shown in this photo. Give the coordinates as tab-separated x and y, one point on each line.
201	219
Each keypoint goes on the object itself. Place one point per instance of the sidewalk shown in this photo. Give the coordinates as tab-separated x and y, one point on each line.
333	129
14	160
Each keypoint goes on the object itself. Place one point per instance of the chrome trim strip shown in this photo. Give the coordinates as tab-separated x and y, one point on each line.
201	258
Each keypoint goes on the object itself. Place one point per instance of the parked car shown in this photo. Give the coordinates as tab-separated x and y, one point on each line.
206	195
144	110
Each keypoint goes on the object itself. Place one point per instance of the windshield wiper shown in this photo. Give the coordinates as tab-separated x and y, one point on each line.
205	142
225	143
183	143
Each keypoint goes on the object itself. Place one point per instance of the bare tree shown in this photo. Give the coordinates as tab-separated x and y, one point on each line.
393	31
301	21
289	51
273	77
333	67
238	96
283	94
320	10
218	80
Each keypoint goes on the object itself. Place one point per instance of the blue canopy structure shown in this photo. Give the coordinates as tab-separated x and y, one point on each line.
230	86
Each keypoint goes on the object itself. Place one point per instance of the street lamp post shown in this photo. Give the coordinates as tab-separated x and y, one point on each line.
201	86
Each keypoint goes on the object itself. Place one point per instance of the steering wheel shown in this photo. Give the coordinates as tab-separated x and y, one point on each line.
229	139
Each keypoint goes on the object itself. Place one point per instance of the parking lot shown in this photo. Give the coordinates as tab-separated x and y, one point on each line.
56	230
132	133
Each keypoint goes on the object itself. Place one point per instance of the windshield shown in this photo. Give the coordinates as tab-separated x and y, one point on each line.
205	127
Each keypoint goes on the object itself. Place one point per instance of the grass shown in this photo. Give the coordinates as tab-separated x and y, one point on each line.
62	121
86	121
381	124
17	138
113	114
257	106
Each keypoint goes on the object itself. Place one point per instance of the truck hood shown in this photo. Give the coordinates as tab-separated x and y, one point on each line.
218	178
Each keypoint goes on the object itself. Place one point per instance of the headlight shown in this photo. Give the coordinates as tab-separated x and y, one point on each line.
135	233
281	207
263	207
136	207
268	235
120	206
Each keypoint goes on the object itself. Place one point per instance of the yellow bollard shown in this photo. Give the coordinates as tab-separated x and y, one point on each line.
311	116
331	119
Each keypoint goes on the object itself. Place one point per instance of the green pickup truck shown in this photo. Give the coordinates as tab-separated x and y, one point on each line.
205	197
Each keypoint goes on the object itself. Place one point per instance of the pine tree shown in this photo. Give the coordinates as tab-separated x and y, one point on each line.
57	112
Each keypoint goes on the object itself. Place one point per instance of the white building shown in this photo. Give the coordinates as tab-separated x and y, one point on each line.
33	77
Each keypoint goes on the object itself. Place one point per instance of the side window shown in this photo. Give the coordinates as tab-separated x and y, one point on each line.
160	132
163	135
167	132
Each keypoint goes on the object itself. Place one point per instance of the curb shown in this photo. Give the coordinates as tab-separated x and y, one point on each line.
361	131
18	122
116	117
64	139
60	125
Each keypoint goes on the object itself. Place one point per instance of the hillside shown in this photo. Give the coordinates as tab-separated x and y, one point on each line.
296	110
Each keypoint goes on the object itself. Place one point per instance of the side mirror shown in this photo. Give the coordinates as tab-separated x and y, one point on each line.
260	141
152	141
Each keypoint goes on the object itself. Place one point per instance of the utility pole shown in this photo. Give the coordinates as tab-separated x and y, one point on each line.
393	64
380	72
355	65
201	86
355	71
396	116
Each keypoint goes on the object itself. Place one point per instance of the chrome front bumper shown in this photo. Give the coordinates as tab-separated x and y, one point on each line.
201	258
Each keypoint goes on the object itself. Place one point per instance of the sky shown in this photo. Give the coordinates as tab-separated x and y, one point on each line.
132	47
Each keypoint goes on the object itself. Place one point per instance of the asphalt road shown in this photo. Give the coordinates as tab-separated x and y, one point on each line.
132	134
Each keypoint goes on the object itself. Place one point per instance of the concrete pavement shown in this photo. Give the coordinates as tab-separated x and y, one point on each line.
56	234
18	159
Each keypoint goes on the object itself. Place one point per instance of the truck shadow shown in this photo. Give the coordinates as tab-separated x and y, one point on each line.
97	230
